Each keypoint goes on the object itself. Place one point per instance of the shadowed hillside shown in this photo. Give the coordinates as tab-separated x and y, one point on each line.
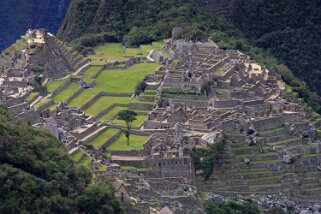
17	16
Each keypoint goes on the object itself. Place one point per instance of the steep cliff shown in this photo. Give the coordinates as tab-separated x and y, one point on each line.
17	16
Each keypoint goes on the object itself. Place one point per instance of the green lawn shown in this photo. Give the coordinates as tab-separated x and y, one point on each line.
85	161
116	81
221	69
103	102
136	143
77	155
139	169
101	139
67	92
92	70
112	113
32	95
42	102
83	97
124	81
136	124
143	50
54	84
108	52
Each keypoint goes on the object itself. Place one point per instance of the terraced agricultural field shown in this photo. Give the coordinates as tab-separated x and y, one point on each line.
115	51
54	84
136	143
136	123
116	81
89	72
102	102
107	52
67	92
124	81
110	115
101	139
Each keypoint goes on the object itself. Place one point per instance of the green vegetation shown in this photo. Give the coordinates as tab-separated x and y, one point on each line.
136	123
139	169
107	52
15	18
54	84
263	22
132	21
287	29
110	115
91	71
206	159
232	207
42	102
67	92
38	176
128	116
136	143
103	102
101	139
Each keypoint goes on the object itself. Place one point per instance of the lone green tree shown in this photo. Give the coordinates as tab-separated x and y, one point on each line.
128	116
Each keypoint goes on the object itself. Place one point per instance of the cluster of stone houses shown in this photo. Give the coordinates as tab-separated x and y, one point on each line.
210	95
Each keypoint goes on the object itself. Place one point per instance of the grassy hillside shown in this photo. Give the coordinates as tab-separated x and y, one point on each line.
17	16
38	176
289	29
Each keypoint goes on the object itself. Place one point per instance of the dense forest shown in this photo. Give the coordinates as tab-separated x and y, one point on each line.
288	29
38	176
17	16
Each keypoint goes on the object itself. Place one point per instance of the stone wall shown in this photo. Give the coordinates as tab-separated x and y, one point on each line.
60	88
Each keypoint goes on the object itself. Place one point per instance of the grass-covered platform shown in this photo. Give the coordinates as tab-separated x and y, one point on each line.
136	143
101	139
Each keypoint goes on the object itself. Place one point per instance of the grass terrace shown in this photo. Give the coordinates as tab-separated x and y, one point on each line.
110	115
85	161
42	102
101	139
221	69
139	169
136	143
116	81
31	96
108	52
67	92
103	102
136	124
77	155
143	50
54	84
91	71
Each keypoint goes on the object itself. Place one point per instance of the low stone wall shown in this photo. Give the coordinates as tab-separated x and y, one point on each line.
74	95
132	153
141	106
44	106
90	102
60	88
226	103
267	123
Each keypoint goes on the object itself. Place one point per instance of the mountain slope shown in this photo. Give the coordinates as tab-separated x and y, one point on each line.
153	19
38	176
17	16
289	29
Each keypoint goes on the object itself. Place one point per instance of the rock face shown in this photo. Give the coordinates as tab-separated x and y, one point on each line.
32	14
